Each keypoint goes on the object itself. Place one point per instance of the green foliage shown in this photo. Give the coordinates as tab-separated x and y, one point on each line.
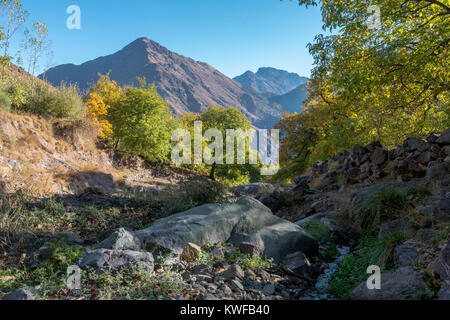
51	274
318	230
133	284
245	261
5	102
64	102
380	204
142	122
18	93
199	193
386	83
255	263
371	251
223	119
330	251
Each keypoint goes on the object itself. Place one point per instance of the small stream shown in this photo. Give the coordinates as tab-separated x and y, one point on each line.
324	279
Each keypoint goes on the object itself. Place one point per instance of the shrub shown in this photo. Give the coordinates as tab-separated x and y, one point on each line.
371	251
318	230
18	93
64	102
199	193
380	204
142	122
5	103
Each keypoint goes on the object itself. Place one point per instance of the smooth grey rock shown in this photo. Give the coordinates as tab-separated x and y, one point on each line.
113	260
121	239
405	283
19	294
246	220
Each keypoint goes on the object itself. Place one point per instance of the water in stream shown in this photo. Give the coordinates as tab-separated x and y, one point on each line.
320	290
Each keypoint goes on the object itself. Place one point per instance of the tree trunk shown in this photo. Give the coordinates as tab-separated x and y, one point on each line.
213	171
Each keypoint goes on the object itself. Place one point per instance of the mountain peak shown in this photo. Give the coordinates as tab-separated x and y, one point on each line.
187	85
271	80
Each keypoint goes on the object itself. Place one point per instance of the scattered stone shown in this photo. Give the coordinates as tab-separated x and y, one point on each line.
254	189
408	253
113	260
45	253
249	274
19	294
234	272
441	211
444	139
121	239
379	156
269	289
444	293
405	283
250	249
438	171
395	226
191	252
297	264
445	263
237	286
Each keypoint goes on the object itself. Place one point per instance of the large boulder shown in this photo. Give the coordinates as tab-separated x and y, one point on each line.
246	220
405	283
115	260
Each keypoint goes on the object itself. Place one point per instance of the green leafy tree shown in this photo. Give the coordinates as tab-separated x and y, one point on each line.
13	17
386	82
142	123
36	44
223	119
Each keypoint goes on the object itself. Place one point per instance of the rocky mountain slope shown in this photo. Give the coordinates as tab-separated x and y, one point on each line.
187	85
293	100
271	81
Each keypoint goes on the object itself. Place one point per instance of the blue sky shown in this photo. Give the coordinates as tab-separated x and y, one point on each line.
231	35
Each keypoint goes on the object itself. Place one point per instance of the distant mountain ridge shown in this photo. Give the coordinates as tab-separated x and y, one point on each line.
271	80
187	85
293	100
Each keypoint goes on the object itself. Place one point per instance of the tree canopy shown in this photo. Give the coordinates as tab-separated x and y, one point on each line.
384	81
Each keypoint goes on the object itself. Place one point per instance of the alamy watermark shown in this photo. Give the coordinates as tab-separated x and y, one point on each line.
73	280
374	20
239	145
374	281
73	22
